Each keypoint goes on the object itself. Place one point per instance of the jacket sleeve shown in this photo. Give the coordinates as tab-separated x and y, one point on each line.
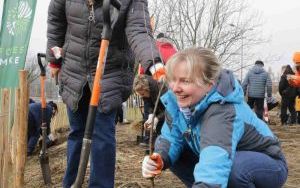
269	86
170	143
57	26
295	82
139	34
147	109
282	85
160	112
217	147
245	84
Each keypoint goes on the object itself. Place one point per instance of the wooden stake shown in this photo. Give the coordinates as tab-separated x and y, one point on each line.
14	134
22	129
4	139
1	137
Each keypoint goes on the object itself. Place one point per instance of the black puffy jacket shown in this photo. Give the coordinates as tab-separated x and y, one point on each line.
286	91
69	28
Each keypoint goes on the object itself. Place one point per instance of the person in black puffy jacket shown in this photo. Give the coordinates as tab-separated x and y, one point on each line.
288	95
74	38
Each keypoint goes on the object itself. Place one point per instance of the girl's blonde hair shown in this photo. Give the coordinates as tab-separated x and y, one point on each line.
201	63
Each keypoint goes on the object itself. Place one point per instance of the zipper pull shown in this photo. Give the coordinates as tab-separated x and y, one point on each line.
92	14
187	133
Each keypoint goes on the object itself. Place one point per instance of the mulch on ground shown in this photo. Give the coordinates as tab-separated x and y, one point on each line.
130	156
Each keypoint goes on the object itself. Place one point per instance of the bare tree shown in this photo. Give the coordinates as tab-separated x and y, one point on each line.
32	67
229	27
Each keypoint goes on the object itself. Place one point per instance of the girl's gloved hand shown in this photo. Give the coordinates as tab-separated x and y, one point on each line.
152	165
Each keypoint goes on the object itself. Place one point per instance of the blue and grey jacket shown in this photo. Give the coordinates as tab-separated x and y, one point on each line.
256	82
221	124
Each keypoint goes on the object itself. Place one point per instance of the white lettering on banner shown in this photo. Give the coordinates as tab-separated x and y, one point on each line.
12	51
10	60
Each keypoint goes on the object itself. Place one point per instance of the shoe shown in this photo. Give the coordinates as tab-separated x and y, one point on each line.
29	153
125	121
145	142
51	143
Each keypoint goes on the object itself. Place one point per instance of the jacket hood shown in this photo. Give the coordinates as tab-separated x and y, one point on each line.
226	90
257	69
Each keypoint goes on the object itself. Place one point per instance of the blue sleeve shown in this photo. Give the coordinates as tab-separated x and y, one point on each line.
170	144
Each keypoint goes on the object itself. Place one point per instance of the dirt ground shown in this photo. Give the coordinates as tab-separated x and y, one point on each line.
130	155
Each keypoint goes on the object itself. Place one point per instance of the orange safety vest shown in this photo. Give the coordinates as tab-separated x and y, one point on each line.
296	81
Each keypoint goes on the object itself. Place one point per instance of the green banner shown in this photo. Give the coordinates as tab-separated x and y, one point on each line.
16	25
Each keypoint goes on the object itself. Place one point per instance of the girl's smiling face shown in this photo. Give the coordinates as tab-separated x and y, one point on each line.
187	92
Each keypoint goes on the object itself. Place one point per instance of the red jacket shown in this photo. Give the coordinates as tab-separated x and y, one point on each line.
166	50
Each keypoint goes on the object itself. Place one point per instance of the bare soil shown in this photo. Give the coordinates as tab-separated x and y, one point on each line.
130	156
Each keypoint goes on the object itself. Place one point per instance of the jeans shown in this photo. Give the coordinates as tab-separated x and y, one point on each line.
249	170
119	115
34	133
33	137
103	148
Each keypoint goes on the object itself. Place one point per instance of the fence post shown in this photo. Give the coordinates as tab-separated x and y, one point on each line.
4	139
22	129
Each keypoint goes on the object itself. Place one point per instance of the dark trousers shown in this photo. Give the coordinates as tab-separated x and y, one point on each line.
288	104
258	103
119	115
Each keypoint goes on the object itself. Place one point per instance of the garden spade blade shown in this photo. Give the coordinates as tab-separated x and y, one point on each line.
44	162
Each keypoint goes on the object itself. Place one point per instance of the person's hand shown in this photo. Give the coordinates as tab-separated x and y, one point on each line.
57	52
56	64
54	72
290	77
147	123
158	72
152	165
159	75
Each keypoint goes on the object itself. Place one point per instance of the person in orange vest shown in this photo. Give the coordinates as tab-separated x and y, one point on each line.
288	95
294	80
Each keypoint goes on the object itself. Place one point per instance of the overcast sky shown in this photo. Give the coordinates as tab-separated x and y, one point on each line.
281	23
